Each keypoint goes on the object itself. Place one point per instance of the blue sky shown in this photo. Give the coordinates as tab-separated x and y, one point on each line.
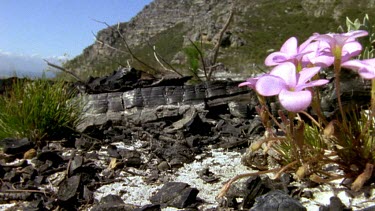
31	30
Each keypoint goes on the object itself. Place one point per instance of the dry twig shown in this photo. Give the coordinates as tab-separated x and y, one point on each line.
125	42
64	70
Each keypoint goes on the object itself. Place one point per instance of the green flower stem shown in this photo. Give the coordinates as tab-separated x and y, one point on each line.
337	70
373	94
316	103
291	117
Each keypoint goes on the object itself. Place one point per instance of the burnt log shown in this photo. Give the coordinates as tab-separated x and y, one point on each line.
152	103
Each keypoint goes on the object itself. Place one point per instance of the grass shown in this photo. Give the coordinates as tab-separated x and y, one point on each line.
38	109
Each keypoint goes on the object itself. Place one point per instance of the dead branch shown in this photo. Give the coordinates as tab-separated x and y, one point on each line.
217	46
221	34
126	44
161	64
362	178
64	70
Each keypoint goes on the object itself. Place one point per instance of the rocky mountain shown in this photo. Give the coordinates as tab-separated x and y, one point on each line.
257	28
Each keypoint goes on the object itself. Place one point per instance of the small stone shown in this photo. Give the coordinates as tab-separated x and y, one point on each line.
111	199
15	146
83	144
336	204
68	188
207	176
277	200
163	166
175	194
29	154
75	164
149	207
113	203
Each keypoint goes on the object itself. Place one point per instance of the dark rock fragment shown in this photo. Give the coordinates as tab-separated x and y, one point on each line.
68	188
207	176
335	205
248	191
277	200
175	194
83	143
15	146
48	160
28	173
12	176
75	164
10	196
131	158
255	187
372	208
2	171
176	155
163	166
112	151
113	203
149	207
111	199
51	156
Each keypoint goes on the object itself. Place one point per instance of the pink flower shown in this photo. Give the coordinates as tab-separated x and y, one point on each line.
289	52
343	45
250	82
365	68
317	57
289	85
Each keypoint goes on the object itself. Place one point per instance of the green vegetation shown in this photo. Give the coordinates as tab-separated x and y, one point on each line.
192	55
38	109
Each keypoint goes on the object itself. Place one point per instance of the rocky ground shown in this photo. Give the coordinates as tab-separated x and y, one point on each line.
176	161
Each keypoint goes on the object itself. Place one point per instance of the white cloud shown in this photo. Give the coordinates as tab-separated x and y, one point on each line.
26	65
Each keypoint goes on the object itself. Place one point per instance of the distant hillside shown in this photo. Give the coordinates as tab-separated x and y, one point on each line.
257	28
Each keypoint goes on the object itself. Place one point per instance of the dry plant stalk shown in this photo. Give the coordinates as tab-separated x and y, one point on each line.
227	185
362	178
64	70
278	171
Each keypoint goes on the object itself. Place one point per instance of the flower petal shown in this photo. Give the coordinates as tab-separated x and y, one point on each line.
270	85
356	33
351	49
326	38
366	74
295	101
290	46
306	74
276	58
323	60
365	68
317	57
319	82
305	44
286	71
250	82
245	84
353	64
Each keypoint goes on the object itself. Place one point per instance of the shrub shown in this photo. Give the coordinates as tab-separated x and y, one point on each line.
38	109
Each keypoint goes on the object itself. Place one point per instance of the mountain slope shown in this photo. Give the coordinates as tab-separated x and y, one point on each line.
257	28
